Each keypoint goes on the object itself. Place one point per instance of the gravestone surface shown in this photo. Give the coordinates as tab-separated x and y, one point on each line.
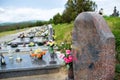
28	66
93	48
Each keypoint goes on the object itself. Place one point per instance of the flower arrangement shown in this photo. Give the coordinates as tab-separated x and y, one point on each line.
31	44
67	57
38	53
50	43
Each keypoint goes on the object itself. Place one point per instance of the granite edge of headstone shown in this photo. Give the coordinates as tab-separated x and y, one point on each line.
102	67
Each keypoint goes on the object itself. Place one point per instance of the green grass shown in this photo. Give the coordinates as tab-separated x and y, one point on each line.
113	22
63	32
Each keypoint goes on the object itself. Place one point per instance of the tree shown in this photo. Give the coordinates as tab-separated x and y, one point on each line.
57	19
50	21
74	7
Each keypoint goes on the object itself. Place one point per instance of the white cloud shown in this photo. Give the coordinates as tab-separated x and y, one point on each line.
25	14
1	10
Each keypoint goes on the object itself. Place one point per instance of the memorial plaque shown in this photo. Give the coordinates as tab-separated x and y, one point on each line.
93	48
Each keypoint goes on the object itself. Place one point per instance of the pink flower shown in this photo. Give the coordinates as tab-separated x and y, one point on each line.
70	57
62	55
67	60
68	51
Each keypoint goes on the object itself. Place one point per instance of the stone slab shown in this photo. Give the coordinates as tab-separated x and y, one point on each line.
93	48
22	49
28	64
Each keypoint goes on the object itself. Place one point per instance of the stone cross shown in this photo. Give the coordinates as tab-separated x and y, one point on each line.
93	48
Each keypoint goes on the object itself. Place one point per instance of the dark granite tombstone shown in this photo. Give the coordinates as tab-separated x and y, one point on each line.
29	65
93	48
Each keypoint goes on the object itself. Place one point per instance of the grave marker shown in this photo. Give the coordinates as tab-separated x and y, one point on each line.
93	48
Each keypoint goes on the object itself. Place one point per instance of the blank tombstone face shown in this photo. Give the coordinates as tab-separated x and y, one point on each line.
85	31
90	37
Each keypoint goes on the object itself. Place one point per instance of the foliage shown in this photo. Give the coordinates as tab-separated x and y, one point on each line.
73	8
63	46
117	68
57	18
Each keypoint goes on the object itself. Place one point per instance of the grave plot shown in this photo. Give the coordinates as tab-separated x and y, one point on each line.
27	42
29	65
18	62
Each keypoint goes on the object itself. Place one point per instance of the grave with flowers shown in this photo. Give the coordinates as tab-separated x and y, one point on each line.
27	58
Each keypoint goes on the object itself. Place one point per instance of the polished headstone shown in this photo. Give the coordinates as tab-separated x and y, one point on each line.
93	48
28	64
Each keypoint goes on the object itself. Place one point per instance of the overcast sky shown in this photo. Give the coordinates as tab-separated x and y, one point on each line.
24	10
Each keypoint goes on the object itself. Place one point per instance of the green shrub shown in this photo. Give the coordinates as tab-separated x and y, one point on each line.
117	69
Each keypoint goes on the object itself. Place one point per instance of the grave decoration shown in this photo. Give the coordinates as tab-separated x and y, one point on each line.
31	35
24	44
21	36
10	54
18	59
51	45
38	53
31	44
2	60
68	59
14	45
40	43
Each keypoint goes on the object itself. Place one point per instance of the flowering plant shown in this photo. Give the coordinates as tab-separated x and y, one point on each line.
31	44
38	53
67	57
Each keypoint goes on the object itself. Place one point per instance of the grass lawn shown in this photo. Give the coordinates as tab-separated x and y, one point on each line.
63	32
